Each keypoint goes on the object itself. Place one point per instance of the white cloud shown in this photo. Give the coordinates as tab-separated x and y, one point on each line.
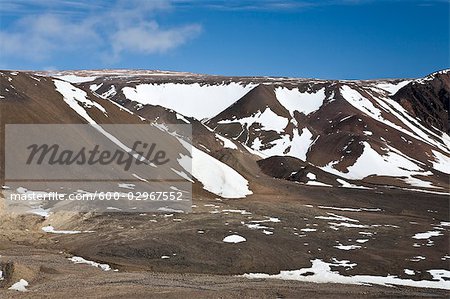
149	38
120	27
37	38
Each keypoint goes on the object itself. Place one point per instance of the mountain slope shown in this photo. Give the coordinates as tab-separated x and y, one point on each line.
334	179
351	129
428	99
28	98
377	132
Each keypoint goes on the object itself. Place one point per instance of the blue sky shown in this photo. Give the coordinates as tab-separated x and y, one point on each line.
334	39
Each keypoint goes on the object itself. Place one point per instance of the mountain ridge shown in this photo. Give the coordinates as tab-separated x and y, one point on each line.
332	124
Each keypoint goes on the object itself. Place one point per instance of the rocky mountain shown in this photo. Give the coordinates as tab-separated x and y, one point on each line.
372	133
377	132
305	179
428	100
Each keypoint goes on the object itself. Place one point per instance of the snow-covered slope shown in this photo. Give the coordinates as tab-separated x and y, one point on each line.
217	177
353	129
195	100
386	132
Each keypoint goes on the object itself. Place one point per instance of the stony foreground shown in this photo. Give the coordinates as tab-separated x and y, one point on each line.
173	255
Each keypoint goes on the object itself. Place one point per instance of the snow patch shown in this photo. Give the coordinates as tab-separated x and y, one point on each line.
345	184
216	176
126	186
392	88
19	286
80	260
194	100
350	209
322	273
347	247
269	121
427	235
234	239
441	162
315	183
311	176
226	142
51	229
372	163
303	102
76	98
75	79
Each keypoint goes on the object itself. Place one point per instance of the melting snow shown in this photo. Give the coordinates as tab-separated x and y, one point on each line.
345	224
75	78
181	117
298	145
195	100
345	184
234	239
362	241
392	88
255	226
294	100
269	120
442	162
412	181
216	176
41	212
169	210
372	163
80	260
51	229
311	176
94	87
322	273
242	212
415	129
226	142
427	235
336	217
76	98
417	258
19	286
126	186
440	275
347	247
351	209
315	183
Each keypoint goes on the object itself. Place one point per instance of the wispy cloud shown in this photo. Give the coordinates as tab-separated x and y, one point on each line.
148	38
246	4
47	28
283	5
38	37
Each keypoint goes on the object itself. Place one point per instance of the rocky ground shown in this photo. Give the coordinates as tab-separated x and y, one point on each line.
170	254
